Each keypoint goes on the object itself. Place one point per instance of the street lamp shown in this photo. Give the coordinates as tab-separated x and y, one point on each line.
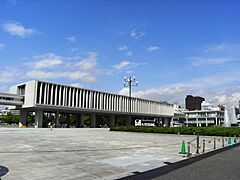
129	82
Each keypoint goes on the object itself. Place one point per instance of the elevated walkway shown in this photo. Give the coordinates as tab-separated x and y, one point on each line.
11	99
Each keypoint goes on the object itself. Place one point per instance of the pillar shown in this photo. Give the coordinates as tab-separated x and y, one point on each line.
216	121
93	120
197	119
57	119
128	121
79	123
112	120
68	120
206	120
171	123
38	118
165	122
23	119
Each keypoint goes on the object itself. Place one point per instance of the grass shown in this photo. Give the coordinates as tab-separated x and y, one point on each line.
207	131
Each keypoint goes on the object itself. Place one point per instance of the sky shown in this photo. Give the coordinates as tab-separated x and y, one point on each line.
174	47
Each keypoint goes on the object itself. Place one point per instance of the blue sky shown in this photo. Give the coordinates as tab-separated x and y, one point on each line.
174	48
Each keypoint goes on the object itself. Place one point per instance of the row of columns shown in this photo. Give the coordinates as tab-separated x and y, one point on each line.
58	95
79	122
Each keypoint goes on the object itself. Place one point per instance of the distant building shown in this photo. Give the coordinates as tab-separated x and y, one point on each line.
193	102
204	118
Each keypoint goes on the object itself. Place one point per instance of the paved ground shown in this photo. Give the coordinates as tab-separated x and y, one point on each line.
224	166
38	154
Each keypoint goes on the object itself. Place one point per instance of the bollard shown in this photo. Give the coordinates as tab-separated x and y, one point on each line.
188	150
203	146
214	143
197	150
222	141
235	139
229	141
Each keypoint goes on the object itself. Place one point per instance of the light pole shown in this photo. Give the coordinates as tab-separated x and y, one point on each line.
129	82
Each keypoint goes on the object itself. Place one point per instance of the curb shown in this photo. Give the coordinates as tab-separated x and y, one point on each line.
154	173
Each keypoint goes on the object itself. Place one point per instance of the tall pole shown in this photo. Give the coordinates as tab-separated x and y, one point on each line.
129	82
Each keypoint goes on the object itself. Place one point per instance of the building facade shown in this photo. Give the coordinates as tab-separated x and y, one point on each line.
203	118
39	97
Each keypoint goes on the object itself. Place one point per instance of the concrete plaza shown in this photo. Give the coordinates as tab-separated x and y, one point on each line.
85	153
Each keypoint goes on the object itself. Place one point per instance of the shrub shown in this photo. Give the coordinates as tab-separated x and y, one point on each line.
207	131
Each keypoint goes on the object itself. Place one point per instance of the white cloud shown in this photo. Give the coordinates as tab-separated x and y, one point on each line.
17	29
129	53
219	54
152	49
72	68
135	34
202	61
2	45
122	48
76	85
216	88
89	63
223	47
177	94
124	91
9	74
71	39
122	65
71	75
46	61
75	49
40	74
127	66
125	49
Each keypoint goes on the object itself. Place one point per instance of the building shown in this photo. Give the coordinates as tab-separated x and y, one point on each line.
193	103
201	118
62	100
209	115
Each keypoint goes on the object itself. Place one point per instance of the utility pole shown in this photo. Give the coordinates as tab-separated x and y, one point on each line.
129	82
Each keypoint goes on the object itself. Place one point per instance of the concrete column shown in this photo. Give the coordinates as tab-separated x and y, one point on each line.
171	123
112	120
79	123
197	119
40	94
165	122
128	121
57	119
216	121
80	98
23	119
38	118
206	120
93	120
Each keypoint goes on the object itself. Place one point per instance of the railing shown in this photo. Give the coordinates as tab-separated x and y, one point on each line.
208	144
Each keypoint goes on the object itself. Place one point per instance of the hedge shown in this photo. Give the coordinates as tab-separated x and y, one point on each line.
207	131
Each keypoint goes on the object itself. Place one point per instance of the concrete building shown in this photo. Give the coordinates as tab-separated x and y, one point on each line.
204	118
193	103
44	97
